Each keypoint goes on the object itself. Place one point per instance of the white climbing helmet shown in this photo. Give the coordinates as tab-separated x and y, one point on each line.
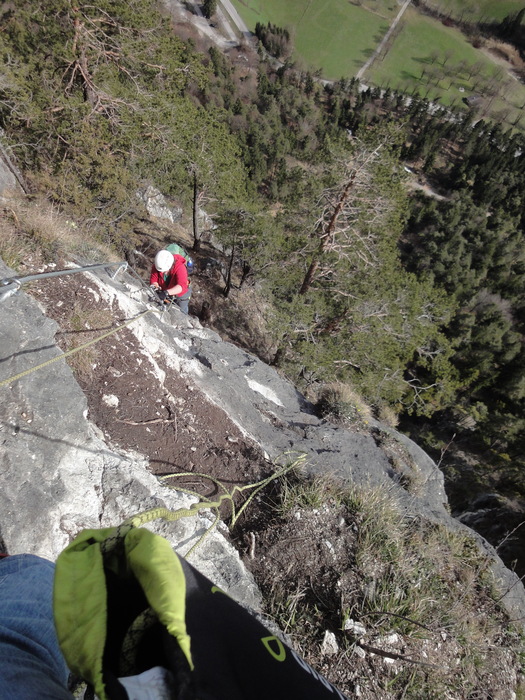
164	260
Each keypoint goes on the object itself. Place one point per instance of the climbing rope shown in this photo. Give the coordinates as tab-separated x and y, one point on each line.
68	353
204	503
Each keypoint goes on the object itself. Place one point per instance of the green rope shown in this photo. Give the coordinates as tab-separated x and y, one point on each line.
205	503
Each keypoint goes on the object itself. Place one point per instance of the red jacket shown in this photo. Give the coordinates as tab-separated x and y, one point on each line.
178	274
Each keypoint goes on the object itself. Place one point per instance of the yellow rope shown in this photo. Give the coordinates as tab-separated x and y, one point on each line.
16	377
171	516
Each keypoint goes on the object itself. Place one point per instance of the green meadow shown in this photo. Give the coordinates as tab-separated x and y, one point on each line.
421	42
436	61
337	37
334	36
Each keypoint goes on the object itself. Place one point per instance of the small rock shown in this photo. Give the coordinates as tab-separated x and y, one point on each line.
330	547
110	400
388	641
329	647
355	627
359	651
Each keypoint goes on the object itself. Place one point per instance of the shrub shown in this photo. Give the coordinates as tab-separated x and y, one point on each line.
339	400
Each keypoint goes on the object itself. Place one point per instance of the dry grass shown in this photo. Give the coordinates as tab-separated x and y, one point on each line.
296	492
388	416
505	53
339	400
83	362
35	232
82	325
420	584
418	574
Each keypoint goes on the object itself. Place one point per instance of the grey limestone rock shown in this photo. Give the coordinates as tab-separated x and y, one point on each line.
157	206
59	477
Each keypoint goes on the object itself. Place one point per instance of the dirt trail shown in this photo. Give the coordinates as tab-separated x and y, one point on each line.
236	18
378	50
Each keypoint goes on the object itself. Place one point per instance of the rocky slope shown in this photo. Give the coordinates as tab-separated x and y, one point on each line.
229	407
164	395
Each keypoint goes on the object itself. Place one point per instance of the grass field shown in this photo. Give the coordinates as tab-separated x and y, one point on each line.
332	35
419	39
435	60
478	10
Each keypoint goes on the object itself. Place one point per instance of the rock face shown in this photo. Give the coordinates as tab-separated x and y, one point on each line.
157	206
59	476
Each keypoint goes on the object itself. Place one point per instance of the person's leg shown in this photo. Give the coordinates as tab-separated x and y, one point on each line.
31	663
183	302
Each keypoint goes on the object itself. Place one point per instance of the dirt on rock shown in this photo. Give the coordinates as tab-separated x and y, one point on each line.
170	423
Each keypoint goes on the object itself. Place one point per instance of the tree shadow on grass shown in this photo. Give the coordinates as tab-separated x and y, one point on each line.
424	59
406	75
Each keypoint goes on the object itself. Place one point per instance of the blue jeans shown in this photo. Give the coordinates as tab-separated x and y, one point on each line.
31	663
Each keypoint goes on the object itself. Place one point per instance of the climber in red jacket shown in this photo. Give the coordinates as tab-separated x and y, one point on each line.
169	278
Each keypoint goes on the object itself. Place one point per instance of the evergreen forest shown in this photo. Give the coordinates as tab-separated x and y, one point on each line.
414	299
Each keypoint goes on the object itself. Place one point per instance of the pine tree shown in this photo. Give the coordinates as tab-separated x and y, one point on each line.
209	8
